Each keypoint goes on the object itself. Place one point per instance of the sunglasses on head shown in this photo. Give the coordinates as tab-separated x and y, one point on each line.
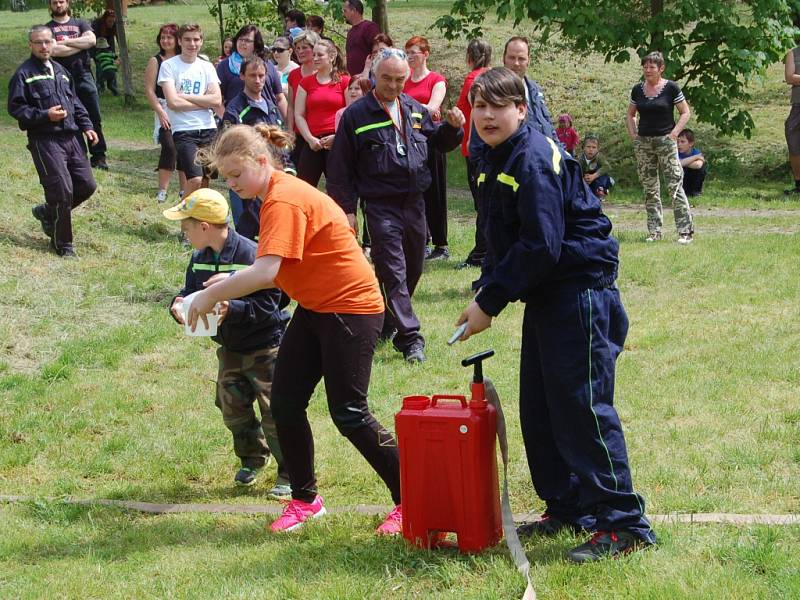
279	50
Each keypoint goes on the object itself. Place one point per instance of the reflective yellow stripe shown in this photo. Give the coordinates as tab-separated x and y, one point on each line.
364	128
38	78
508	180
244	112
481	178
417	115
556	157
218	268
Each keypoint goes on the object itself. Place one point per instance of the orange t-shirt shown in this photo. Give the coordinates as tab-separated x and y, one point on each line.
323	267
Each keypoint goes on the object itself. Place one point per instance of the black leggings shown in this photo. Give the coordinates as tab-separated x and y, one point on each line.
310	164
338	348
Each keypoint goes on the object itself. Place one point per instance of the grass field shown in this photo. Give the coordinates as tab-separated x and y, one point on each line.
102	396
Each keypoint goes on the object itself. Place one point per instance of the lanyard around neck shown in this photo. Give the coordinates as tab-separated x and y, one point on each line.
398	127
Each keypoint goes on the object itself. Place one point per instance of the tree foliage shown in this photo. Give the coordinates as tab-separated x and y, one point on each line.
714	48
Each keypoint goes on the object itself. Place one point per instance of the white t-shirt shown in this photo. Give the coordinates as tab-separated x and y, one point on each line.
190	79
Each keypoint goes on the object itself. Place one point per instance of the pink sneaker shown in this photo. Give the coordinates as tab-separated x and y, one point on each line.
296	513
393	523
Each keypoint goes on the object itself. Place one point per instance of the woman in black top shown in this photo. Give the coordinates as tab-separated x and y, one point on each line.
168	46
655	145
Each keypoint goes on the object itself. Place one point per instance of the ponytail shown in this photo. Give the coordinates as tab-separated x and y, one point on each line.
246	143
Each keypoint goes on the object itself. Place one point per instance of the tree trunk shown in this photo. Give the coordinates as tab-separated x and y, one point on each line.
221	26
657	39
380	16
127	81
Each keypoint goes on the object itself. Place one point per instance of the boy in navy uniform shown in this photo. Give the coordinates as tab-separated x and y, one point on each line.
42	98
249	334
549	245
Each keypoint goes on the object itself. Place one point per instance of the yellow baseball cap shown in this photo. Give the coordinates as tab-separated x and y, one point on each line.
204	204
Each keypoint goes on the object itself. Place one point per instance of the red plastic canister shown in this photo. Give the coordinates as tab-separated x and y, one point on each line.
448	470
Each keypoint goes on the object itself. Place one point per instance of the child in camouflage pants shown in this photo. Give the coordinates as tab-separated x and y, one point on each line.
249	333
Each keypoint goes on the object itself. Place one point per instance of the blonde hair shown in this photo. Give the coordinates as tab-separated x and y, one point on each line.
246	143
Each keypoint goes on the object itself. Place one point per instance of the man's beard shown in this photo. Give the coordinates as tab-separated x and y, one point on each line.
63	13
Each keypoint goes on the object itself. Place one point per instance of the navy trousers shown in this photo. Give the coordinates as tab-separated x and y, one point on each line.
573	437
66	176
397	231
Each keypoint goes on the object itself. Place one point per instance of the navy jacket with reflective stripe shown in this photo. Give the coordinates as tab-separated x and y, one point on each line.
364	161
253	322
545	229
32	91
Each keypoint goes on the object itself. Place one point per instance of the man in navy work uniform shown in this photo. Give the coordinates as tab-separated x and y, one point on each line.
516	56
42	98
74	38
379	154
252	106
549	246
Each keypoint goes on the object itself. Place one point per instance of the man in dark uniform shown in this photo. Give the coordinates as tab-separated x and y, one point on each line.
252	106
379	154
74	38
516	56
42	98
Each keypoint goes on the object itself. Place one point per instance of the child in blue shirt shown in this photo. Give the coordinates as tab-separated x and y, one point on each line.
693	163
595	167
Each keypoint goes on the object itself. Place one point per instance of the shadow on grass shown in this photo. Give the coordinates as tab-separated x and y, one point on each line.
24	239
328	547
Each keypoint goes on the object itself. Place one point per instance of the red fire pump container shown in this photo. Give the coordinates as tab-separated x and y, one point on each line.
448	467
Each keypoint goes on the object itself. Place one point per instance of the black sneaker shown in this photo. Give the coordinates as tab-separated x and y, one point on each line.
439	253
99	162
40	213
414	355
547	526
607	544
792	191
246	476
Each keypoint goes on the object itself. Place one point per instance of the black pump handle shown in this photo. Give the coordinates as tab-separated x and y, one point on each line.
477	361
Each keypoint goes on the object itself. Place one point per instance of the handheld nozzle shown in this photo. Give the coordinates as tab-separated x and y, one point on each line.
477	361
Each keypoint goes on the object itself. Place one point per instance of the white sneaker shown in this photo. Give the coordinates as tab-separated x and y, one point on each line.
161	196
685	238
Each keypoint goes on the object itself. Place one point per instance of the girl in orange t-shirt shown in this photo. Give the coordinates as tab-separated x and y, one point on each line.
307	248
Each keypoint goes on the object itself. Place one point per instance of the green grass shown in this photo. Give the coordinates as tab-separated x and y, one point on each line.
102	396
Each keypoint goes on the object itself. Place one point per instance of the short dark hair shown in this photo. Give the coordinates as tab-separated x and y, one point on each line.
258	40
356	5
253	60
590	137
189	28
688	134
499	86
654	57
298	16
315	21
516	38
480	53
382	38
37	29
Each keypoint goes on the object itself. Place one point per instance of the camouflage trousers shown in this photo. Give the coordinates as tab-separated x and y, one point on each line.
661	152
244	379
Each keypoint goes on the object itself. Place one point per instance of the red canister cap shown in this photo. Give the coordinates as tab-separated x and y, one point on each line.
416	402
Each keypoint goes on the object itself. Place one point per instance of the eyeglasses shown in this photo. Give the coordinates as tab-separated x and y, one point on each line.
279	50
42	42
245	41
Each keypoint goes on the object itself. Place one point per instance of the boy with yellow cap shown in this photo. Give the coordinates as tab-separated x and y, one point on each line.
249	333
